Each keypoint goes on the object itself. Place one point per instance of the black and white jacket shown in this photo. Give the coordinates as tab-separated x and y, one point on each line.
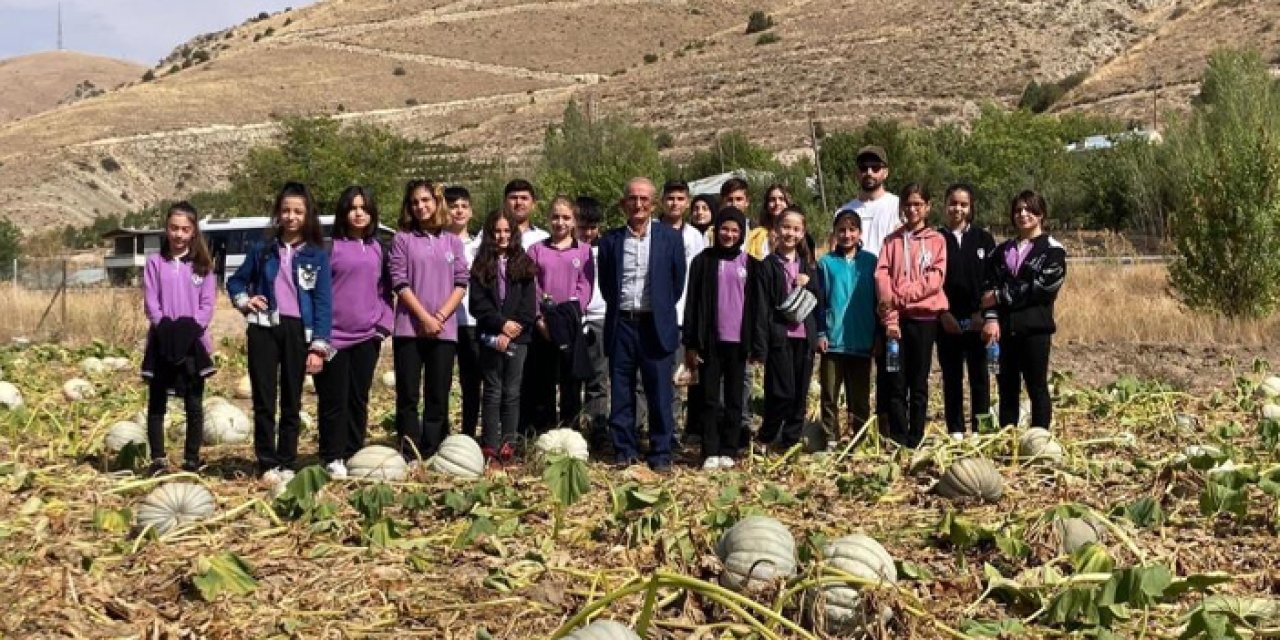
1024	300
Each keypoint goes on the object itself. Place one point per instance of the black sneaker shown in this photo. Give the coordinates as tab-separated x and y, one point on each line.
191	466
158	467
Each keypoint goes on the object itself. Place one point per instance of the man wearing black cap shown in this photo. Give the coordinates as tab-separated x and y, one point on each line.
877	208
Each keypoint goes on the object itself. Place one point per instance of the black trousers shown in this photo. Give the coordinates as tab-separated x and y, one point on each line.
342	390
958	353
470	377
594	391
424	371
1025	360
192	403
502	378
720	410
787	370
277	365
907	390
546	373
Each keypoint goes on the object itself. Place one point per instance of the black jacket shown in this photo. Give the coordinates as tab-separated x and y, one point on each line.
1024	300
175	355
966	269
701	305
564	324
771	290
490	315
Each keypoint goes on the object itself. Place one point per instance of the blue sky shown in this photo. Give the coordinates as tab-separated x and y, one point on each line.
139	30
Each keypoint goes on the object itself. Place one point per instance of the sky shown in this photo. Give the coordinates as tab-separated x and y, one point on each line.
142	31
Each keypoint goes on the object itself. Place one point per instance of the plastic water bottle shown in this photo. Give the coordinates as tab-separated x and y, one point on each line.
993	358
491	341
893	356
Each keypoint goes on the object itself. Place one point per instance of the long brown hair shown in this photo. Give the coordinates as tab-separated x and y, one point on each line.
519	265
410	222
766	221
197	250
311	233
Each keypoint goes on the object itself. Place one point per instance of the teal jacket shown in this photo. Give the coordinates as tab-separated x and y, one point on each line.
847	302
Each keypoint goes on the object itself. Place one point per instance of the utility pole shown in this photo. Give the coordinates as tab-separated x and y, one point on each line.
59	26
817	160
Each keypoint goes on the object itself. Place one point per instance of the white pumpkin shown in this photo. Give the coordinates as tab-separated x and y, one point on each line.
174	504
77	389
124	433
377	462
244	388
459	456
389	379
603	630
755	552
1038	443
862	556
115	363
10	396
1271	411
213	401
974	478
225	423
1269	387
1073	533
92	366
563	442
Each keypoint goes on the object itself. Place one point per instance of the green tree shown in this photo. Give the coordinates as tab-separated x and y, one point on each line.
10	243
728	151
1226	224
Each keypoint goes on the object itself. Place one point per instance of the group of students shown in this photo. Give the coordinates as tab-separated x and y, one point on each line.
521	312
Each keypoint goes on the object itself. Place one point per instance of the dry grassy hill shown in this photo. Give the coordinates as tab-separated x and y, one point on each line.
490	74
41	81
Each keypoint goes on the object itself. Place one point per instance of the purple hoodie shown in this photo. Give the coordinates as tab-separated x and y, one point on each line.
170	289
564	273
360	295
431	265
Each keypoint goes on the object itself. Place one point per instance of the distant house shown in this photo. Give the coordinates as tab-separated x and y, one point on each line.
228	239
1097	142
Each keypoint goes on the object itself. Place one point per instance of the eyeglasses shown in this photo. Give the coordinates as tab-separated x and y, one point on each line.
870	168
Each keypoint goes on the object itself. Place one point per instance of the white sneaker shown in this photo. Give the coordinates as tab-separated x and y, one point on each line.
712	463
337	469
271	476
727	463
957	436
285	475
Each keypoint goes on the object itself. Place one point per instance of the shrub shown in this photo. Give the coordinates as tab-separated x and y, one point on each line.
398	71
650	58
149	75
109	164
767	38
759	21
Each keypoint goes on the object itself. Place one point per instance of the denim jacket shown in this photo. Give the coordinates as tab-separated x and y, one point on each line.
311	277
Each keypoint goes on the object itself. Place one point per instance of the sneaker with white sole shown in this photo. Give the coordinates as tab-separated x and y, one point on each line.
727	463
957	436
337	469
712	463
285	475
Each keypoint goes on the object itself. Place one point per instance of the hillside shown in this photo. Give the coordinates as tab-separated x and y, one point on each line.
492	74
41	81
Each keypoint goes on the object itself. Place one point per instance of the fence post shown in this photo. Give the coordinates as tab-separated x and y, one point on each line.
64	296
15	273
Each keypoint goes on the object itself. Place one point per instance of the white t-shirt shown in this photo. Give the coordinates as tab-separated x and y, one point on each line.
880	217
533	236
596	309
469	249
694	243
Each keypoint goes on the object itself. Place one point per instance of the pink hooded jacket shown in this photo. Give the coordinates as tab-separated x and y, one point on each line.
909	274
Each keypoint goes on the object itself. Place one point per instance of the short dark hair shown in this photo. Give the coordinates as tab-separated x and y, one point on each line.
454	194
1033	201
733	184
675	185
589	211
341	226
518	185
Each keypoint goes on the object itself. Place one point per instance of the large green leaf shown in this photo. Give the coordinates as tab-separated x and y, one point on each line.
299	497
112	520
567	480
223	573
370	501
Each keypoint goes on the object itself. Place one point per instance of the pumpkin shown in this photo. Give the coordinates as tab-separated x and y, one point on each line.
225	423
10	396
92	366
1074	533
389	379
244	388
124	433
971	478
564	442
377	462
1271	411
174	504
1269	387
115	363
862	556
459	456
755	552
1039	443
77	389
603	630
213	401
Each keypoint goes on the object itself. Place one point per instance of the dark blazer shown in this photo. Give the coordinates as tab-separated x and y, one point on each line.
1024	300
966	269
701	305
771	325
519	306
665	278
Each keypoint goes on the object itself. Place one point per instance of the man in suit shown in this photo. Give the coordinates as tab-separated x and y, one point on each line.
641	273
